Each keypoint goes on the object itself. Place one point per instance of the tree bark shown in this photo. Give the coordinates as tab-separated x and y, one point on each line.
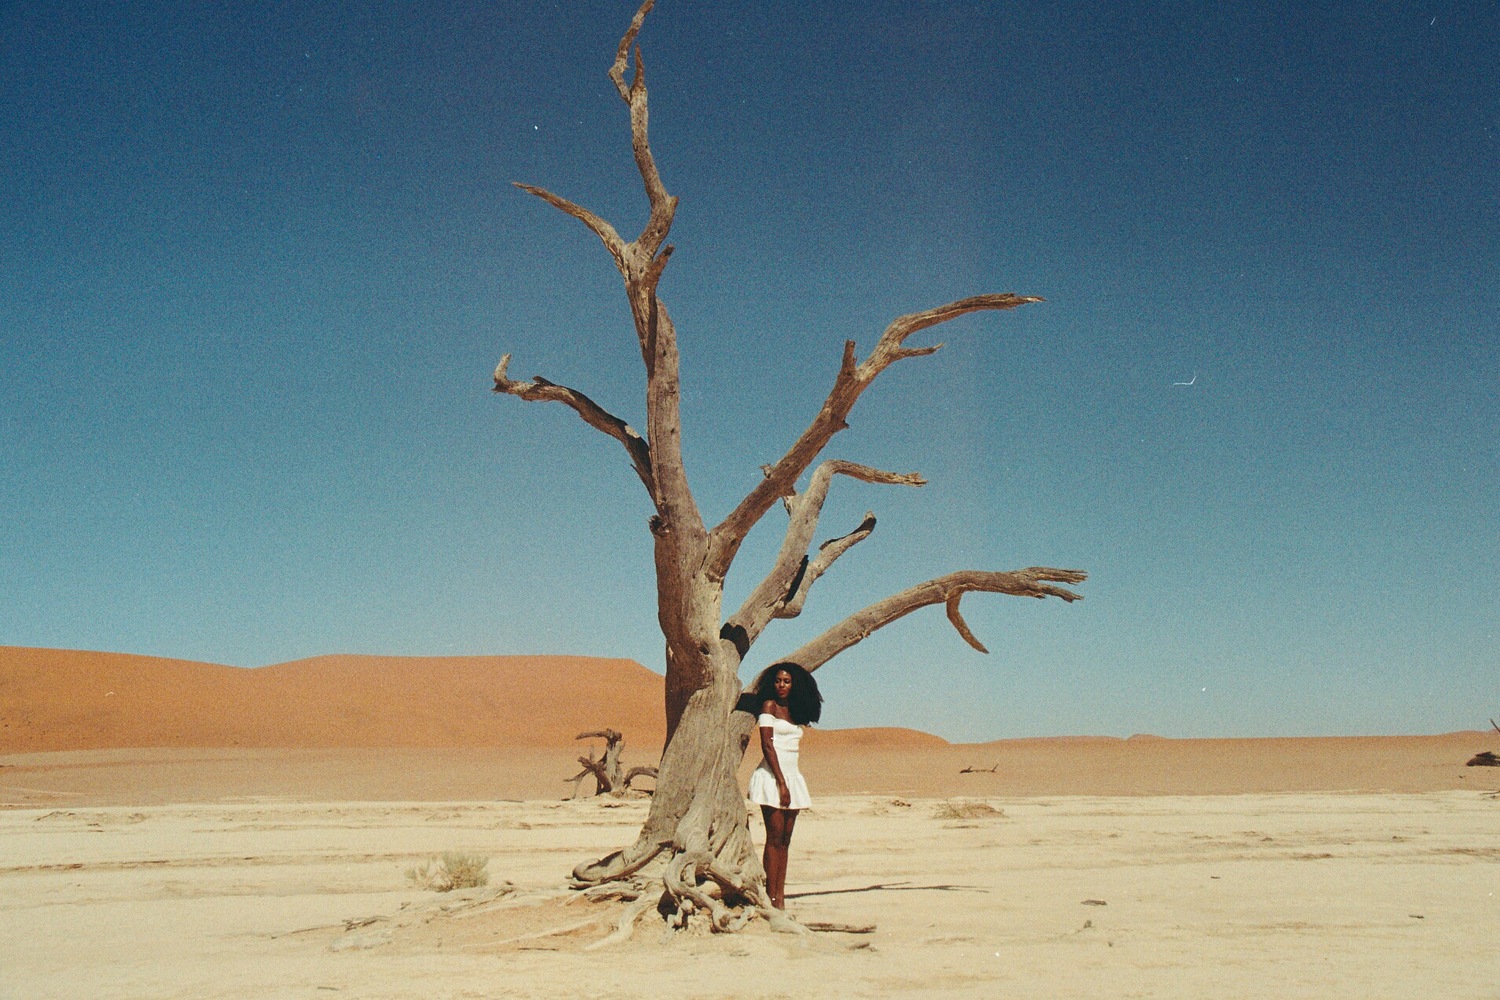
696	844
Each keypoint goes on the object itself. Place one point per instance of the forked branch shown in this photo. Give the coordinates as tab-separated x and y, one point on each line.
596	416
1037	581
663	205
641	263
852	380
782	593
818	565
638	259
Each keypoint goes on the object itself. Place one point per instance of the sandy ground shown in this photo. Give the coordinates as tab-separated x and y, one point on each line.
878	761
179	830
1304	894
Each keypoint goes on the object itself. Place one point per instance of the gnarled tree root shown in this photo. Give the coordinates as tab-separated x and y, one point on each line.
694	884
616	866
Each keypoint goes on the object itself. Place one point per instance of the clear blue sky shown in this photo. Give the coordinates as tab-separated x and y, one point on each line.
259	261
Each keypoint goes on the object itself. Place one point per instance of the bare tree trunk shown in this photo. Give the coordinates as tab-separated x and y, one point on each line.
698	829
696	842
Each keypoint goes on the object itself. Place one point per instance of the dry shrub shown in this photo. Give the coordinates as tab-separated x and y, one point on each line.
966	810
452	870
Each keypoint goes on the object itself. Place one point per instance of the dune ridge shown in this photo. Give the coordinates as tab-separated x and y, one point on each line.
57	699
53	699
395	726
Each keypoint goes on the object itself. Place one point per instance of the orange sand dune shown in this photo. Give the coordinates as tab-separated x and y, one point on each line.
504	726
875	738
68	700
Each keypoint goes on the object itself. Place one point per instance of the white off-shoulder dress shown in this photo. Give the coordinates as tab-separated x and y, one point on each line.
786	737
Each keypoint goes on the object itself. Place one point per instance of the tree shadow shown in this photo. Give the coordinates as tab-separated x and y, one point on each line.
887	887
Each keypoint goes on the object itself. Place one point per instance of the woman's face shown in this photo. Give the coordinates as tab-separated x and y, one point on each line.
783	685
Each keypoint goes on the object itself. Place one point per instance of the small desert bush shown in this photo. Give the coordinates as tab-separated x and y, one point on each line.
451	870
966	810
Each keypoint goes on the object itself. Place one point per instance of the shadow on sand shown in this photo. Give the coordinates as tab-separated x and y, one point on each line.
887	887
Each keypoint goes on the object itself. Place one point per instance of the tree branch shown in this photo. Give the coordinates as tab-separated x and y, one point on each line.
663	205
641	263
828	552
622	53
782	593
851	381
645	259
1037	581
600	228
956	619
539	389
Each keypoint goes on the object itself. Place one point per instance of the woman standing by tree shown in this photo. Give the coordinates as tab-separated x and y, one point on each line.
789	700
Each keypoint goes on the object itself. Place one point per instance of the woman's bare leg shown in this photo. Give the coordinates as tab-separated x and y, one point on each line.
768	854
779	825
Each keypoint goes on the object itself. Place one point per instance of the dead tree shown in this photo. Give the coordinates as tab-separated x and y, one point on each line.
606	770
696	838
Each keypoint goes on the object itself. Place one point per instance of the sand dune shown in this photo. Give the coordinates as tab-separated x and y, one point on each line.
69	700
61	700
503	726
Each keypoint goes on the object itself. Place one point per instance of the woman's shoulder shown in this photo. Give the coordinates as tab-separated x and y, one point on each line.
768	711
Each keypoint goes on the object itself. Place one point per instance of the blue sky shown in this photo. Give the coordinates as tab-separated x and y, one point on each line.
259	263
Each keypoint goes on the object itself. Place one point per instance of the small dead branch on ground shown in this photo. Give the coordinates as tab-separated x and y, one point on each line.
827	927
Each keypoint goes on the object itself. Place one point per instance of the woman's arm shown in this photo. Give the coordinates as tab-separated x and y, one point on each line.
768	750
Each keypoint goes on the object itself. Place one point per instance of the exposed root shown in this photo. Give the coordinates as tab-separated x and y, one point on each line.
685	886
616	866
627	892
691	881
625	926
549	932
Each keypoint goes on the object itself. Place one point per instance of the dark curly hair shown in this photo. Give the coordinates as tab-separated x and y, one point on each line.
804	704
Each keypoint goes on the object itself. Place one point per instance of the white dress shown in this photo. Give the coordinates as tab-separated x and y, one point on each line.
785	738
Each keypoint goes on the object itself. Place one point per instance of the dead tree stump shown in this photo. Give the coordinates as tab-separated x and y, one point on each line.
606	770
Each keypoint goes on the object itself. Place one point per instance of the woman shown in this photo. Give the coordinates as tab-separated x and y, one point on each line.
789	700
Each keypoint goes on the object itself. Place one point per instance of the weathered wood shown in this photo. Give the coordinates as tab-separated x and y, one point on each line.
539	389
696	834
1037	581
607	769
639	771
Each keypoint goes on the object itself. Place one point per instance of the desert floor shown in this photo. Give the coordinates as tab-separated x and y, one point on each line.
141	875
